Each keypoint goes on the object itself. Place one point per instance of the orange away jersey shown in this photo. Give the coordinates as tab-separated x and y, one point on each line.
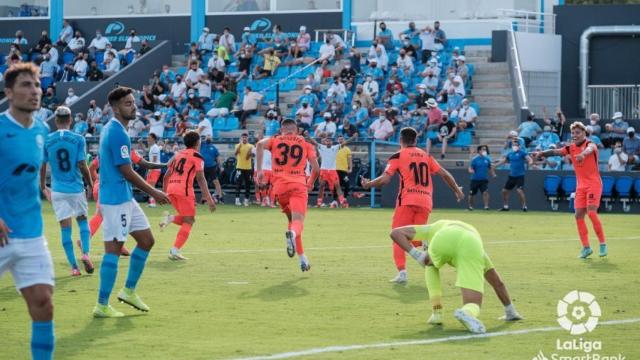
587	172
183	171
415	167
289	155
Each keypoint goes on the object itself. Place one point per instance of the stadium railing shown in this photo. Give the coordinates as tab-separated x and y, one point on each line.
608	99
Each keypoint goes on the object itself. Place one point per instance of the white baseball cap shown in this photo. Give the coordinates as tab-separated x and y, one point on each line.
327	115
617	115
513	133
461	58
303	28
157	113
631	130
205	29
246	28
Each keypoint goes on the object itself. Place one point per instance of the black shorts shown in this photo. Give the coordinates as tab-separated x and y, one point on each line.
211	173
265	72
514	182
482	185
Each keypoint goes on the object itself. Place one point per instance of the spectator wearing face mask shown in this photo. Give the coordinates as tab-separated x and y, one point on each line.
617	129
94	73
594	139
453	100
386	36
327	51
374	71
302	43
48	68
347	129
446	133
205	41
77	43
94	114
434	115
327	128
178	89
399	99
428	39
618	160
66	34
405	62
528	130
71	98
631	146
132	39
362	98
80	126
371	87
468	114
271	124
422	97
517	158
338	44
480	169
304	115
381	128
547	138
430	81
594	121
348	75
359	115
511	138
112	65
559	124
337	91
227	41
309	97
98	44
410	48
552	162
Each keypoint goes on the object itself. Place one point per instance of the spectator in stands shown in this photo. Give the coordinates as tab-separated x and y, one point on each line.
385	36
480	169
412	34
216	62
327	128
66	34
551	162
594	121
594	139
20	41
144	47
243	153
348	76
513	137
347	129
71	98
327	51
270	65
167	75
433	67
181	125
112	65
98	44
381	128
528	130
178	89
422	96
204	126
431	84
49	100
462	69
631	146
338	44
302	43
371	87
304	115
94	114
156	124
446	134
147	100
405	63
249	105
94	73
77	43
226	99
547	138
453	100
337	91
309	96
80	126
557	124
48	68
204	88
434	116
247	38
132	39
453	81
80	67
399	99
517	158
42	42
410	49
192	76
440	36
428	38
228	41
205	41
361	98
14	54
136	126
618	160
108	49
245	56
617	129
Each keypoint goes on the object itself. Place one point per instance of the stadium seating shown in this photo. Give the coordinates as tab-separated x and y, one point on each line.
608	183
636	187
568	186
551	190
623	188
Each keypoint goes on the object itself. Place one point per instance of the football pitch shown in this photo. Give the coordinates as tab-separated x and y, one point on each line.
240	296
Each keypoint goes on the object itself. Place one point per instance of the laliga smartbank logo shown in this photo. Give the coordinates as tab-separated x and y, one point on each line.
578	313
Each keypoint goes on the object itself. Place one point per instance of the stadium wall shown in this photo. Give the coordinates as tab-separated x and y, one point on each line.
32	29
534	189
612	59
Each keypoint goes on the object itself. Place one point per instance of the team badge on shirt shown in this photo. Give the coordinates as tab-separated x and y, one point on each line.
124	152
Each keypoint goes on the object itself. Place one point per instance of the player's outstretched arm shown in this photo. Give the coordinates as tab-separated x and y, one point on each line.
451	182
150	166
378	182
138	181
204	189
547	153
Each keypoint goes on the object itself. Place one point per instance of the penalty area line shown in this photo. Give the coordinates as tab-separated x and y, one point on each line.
343	348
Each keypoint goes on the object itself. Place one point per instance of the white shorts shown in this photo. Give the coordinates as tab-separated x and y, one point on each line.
67	206
29	262
120	220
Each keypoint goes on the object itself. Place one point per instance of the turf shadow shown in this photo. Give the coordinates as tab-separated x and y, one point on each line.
406	294
94	330
603	265
286	290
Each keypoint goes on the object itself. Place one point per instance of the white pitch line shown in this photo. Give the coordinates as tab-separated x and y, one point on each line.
342	348
364	247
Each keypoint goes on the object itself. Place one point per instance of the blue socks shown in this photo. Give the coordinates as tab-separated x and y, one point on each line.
42	340
67	244
136	266
108	273
85	235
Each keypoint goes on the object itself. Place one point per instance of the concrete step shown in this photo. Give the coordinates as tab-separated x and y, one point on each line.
494	104
491	77
491	85
490	91
485	69
489	134
492	98
496	111
491	66
476	59
479	50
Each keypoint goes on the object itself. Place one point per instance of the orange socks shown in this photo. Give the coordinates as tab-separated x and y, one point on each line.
297	226
399	257
583	232
597	225
183	235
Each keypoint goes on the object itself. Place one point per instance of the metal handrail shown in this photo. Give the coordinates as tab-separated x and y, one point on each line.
533	20
522	95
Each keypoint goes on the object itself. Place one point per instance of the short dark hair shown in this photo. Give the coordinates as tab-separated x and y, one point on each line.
287	121
153	136
482	146
15	70
408	135
190	139
118	93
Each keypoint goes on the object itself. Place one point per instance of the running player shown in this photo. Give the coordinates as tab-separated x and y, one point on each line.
264	192
153	175
66	152
96	219
584	156
328	174
414	203
185	166
23	248
290	153
458	244
121	212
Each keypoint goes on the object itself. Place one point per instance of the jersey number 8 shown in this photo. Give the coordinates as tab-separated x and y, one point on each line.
62	155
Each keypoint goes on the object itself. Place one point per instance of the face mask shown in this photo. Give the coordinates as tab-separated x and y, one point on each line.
355	107
396	92
307	91
383	28
272	106
632	134
178	80
483	152
166	71
594	122
369	79
618	121
617	150
421	91
466	106
515	148
347	67
208	141
70	93
406	43
333	107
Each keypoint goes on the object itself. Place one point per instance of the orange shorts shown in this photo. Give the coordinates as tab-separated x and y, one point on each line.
153	176
588	196
292	197
330	177
410	215
184	205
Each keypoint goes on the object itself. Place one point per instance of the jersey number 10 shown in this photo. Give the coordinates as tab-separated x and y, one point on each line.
420	173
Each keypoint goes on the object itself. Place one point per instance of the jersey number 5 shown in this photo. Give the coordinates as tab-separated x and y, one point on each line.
420	173
294	152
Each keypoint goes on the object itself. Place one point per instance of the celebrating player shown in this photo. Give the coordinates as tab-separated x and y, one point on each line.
584	156
65	151
290	153
153	175
96	219
122	214
23	248
328	174
414	202
178	184
458	244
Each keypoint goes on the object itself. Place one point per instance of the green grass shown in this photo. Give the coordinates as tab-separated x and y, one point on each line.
225	303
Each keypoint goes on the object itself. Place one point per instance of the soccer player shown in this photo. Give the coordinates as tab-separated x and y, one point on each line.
122	214
328	174
96	220
23	248
415	202
584	156
458	244
290	153
516	158
264	191
183	168
243	166
153	175
480	169
66	152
